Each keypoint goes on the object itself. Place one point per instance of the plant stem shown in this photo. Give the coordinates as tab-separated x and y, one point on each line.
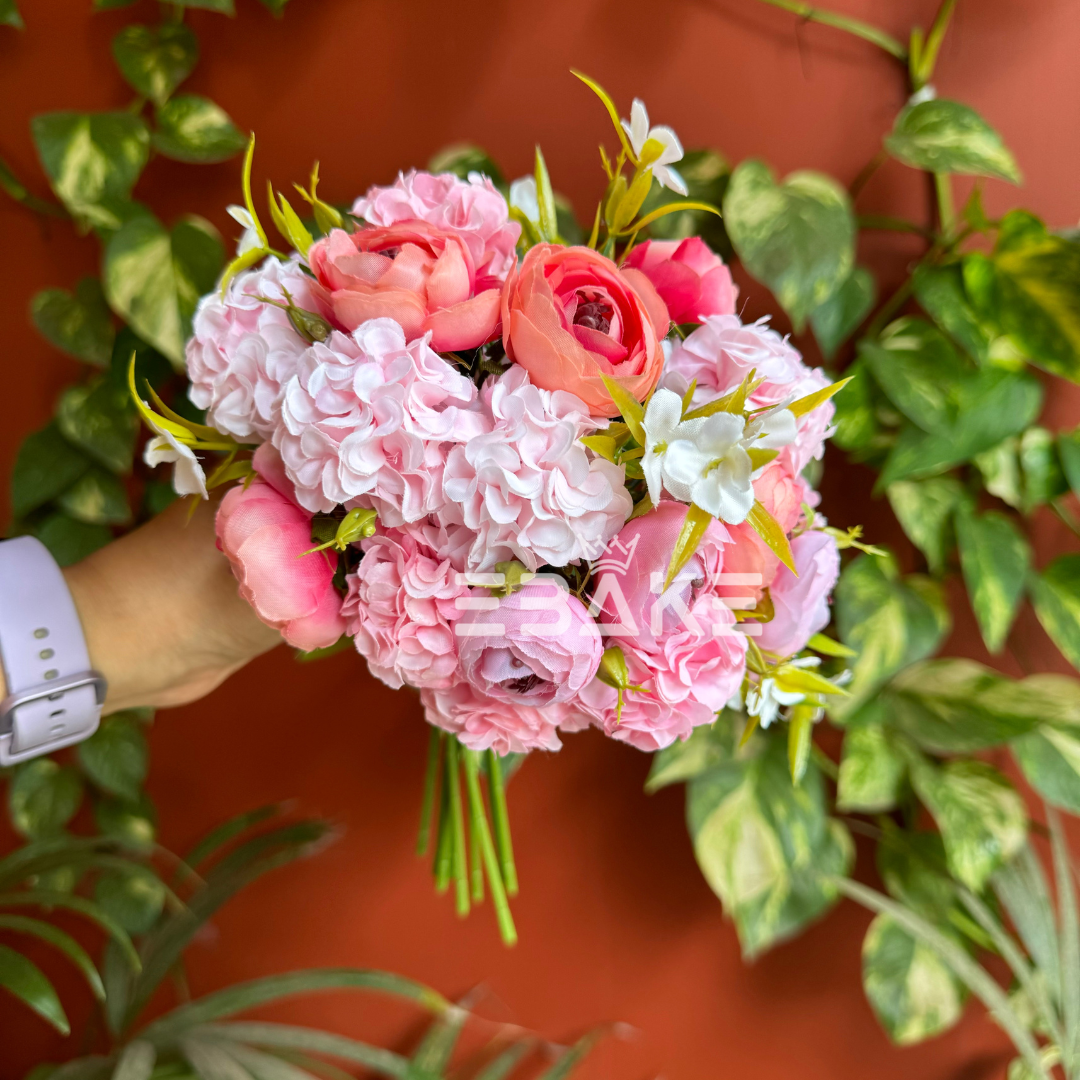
893	224
500	819
10	183
890	308
487	849
457	815
866	172
860	29
427	805
443	852
946	210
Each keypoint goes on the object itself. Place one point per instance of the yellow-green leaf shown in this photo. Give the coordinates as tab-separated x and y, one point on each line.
604	445
674	208
629	407
827	647
603	95
697	521
819	397
287	222
767	527
545	197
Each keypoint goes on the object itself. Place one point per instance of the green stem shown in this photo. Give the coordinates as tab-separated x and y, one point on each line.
487	849
860	29
866	172
824	762
931	49
444	847
10	183
1065	516
457	813
893	224
501	822
476	860
946	209
431	773
890	308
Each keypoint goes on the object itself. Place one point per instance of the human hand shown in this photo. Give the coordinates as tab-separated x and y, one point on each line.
163	620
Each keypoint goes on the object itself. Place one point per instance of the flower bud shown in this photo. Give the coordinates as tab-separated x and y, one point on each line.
614	673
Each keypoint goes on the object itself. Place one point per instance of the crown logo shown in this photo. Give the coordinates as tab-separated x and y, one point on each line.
611	561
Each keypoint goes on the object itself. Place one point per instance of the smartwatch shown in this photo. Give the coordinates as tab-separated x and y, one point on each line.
54	698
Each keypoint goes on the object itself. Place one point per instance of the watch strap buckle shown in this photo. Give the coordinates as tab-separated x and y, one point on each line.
42	718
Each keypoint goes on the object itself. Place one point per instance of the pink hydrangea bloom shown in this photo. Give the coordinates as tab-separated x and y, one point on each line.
722	352
367	420
473	210
484	723
527	487
690	278
628	596
400	609
242	351
264	533
802	603
687	676
538	646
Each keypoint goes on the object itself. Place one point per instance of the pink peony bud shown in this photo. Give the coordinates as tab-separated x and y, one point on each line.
690	278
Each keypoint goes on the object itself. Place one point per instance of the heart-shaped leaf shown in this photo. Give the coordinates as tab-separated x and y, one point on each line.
948	137
92	160
100	418
1056	596
76	322
193	128
98	497
843	313
797	237
47	465
155	61
9	14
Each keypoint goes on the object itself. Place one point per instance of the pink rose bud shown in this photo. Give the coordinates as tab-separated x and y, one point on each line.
690	278
537	646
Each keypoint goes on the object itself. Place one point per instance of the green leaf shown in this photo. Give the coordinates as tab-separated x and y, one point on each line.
1055	594
990	406
890	622
115	757
97	498
70	541
154	278
9	14
911	990
768	528
925	509
857	428
982	819
133	822
796	237
1000	470
843	313
1069	456
708	746
223	7
78	323
912	866
192	128
947	137
59	940
765	845
43	797
134	900
1050	758
1030	289
871	771
953	706
693	529
136	1061
1044	478
23	979
462	159
249	995
277	7
1022	888
99	417
920	371
92	160
940	291
47	465
995	558
155	61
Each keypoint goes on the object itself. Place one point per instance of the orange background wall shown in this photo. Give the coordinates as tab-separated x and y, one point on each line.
615	920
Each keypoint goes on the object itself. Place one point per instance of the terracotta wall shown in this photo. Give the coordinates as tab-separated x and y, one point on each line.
615	920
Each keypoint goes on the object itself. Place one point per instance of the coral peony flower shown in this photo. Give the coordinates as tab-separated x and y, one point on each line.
570	315
801	603
691	279
722	352
484	723
400	609
473	210
264	534
528	488
417	274
629	600
686	676
242	350
367	419
538	646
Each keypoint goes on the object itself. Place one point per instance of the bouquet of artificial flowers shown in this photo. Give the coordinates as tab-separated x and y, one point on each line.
548	486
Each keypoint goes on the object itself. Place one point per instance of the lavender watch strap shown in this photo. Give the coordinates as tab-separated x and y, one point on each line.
54	699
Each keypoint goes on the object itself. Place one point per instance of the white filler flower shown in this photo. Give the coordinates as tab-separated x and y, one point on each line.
667	153
188	475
